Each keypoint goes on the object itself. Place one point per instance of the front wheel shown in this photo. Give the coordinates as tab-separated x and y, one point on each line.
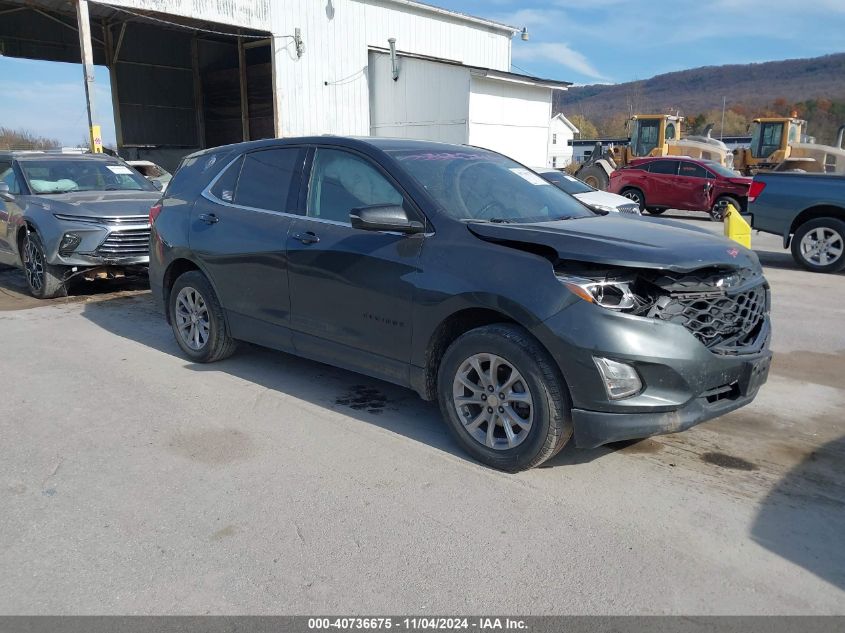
45	280
819	245
595	176
196	317
503	398
654	211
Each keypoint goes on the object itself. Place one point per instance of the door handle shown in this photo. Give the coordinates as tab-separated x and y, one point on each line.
209	218
309	237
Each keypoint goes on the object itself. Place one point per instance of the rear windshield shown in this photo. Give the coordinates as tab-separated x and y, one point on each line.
475	184
74	174
722	170
567	183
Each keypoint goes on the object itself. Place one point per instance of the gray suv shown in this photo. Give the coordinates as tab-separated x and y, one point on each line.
64	216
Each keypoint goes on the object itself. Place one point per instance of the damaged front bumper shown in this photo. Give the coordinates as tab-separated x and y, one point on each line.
683	382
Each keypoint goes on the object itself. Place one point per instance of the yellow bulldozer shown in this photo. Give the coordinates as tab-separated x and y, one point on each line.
782	144
651	135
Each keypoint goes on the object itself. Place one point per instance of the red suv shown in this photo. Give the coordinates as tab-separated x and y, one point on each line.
677	182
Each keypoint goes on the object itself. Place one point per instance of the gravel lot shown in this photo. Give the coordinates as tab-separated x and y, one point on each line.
132	481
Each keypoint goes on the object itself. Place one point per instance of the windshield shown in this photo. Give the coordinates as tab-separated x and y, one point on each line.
65	175
474	184
567	183
722	170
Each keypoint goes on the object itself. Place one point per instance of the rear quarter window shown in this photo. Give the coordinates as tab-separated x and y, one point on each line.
195	172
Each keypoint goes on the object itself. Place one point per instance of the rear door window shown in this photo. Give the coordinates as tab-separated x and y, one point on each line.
269	179
667	167
692	170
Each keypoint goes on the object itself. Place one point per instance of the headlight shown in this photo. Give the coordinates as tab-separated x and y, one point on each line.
69	243
604	207
611	294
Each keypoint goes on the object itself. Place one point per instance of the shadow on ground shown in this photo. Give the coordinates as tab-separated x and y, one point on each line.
802	518
363	398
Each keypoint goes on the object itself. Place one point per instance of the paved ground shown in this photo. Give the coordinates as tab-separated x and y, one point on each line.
132	481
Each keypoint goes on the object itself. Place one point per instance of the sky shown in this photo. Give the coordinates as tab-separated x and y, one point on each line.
582	41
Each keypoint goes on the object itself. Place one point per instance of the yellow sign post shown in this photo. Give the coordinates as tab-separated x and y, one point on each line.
96	139
736	228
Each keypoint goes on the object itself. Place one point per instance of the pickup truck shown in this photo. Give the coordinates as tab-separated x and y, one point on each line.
808	211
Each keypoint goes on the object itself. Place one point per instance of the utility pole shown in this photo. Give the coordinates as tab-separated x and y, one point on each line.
88	70
722	129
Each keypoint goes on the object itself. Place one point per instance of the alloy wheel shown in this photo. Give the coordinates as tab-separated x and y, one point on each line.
33	261
634	197
822	246
492	401
192	319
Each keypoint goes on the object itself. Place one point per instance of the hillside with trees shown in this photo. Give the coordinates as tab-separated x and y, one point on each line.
814	88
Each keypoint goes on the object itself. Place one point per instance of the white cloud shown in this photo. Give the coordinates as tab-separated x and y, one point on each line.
560	54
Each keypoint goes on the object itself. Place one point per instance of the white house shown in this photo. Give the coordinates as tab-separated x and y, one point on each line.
188	74
561	133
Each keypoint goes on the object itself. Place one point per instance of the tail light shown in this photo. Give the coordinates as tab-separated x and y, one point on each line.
755	190
154	212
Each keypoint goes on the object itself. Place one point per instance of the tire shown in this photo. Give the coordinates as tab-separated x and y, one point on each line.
654	211
45	281
539	397
207	339
634	195
720	207
595	176
807	237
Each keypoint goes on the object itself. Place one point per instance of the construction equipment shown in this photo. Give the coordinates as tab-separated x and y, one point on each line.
651	135
782	144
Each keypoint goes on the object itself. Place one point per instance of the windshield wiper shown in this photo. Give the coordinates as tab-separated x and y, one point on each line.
500	221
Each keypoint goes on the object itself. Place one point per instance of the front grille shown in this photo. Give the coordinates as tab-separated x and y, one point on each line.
726	311
129	243
633	208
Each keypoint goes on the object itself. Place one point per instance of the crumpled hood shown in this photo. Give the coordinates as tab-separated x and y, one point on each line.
625	241
99	203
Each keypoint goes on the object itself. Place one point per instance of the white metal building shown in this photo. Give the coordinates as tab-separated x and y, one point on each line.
561	133
195	73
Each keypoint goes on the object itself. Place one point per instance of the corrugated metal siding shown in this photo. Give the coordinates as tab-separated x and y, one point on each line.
428	101
253	14
326	91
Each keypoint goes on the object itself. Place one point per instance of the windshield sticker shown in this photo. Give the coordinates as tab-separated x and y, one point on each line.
529	175
119	169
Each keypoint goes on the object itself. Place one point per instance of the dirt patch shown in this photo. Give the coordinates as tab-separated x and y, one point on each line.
817	367
216	447
225	533
14	293
363	398
723	460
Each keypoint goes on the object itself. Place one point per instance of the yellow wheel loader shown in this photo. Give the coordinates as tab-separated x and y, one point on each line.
782	144
651	135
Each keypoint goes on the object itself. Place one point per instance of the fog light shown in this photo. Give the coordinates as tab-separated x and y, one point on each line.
69	243
620	380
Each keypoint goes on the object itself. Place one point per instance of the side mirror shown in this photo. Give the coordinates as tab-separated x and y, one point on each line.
384	217
5	194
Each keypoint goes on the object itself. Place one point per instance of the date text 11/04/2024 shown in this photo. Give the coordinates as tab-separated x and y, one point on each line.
416	624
